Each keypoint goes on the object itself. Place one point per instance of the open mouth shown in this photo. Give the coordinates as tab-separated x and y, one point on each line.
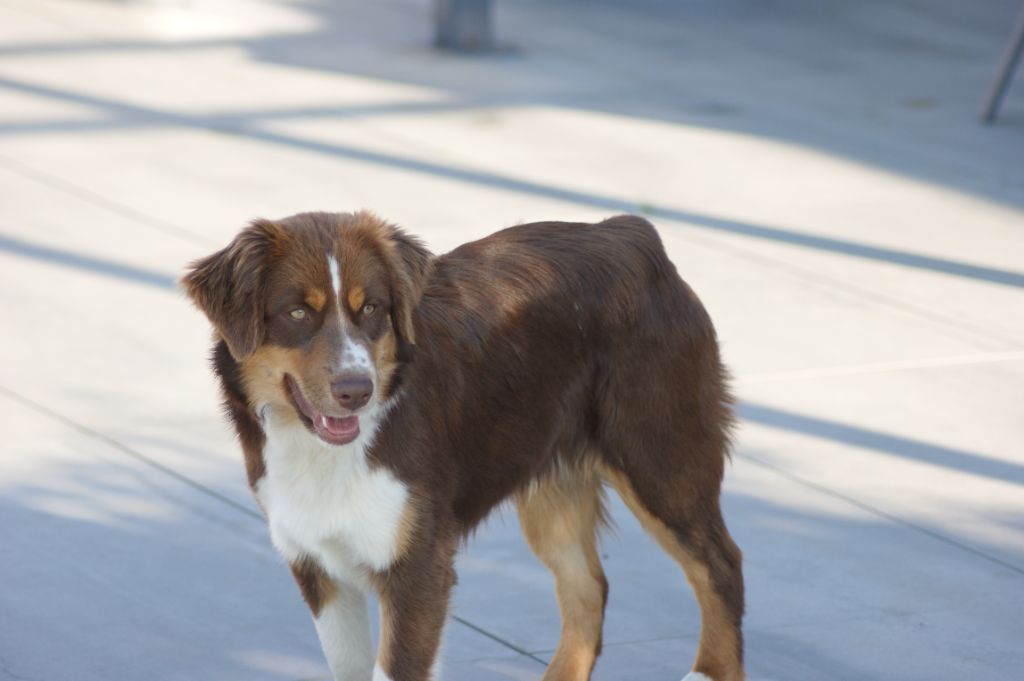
335	430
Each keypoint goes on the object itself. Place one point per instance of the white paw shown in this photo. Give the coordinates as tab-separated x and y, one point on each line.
696	676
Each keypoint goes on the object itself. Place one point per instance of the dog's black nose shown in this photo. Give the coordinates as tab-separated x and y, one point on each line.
352	392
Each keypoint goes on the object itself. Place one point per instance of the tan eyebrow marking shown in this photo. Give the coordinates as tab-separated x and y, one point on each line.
316	299
356	298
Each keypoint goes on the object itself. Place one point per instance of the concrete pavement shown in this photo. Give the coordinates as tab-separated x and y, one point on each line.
815	171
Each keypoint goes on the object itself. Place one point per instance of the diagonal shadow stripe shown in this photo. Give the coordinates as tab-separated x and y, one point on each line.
850	248
909	448
134	113
88	263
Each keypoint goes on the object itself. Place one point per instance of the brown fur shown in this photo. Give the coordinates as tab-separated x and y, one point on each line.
316	586
237	407
548	357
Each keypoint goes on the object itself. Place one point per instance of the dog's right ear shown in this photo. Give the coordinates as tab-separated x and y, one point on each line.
230	286
411	263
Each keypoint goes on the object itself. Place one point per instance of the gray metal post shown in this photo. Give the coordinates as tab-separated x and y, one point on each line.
464	25
1005	73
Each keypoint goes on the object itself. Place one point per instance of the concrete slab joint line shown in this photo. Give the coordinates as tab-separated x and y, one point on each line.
84	430
117	207
124	449
882	514
498	639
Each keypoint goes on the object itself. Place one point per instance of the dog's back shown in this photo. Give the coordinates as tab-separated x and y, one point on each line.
564	344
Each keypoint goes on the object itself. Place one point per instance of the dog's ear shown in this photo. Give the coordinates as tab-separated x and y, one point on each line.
410	265
230	287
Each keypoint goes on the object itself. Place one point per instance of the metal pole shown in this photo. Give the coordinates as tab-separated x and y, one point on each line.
1005	73
464	25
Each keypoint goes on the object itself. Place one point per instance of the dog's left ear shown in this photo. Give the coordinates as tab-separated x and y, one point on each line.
230	287
411	263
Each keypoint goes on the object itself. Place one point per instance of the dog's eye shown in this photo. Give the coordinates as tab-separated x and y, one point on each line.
298	314
369	309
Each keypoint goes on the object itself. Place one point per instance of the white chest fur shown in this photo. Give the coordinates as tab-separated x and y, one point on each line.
325	502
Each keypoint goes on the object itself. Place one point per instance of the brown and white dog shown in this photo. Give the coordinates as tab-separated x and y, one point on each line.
549	359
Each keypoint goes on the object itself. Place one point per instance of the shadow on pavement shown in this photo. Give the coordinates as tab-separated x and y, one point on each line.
182	595
910	448
380	55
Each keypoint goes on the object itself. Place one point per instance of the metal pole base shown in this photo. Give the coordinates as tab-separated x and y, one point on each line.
1002	82
464	25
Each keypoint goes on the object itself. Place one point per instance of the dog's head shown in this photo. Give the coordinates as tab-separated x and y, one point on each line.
317	311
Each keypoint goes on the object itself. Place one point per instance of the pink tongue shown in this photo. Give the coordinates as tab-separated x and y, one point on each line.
340	426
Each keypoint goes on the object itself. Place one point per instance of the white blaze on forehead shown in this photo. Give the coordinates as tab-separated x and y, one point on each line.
332	264
335	268
354	355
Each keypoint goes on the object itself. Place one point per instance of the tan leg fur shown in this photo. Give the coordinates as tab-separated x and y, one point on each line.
559	516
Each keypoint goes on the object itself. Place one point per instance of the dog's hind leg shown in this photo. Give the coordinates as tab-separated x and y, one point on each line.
559	515
692	531
664	420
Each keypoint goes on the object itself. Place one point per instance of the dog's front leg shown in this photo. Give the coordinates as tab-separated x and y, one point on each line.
414	605
341	619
